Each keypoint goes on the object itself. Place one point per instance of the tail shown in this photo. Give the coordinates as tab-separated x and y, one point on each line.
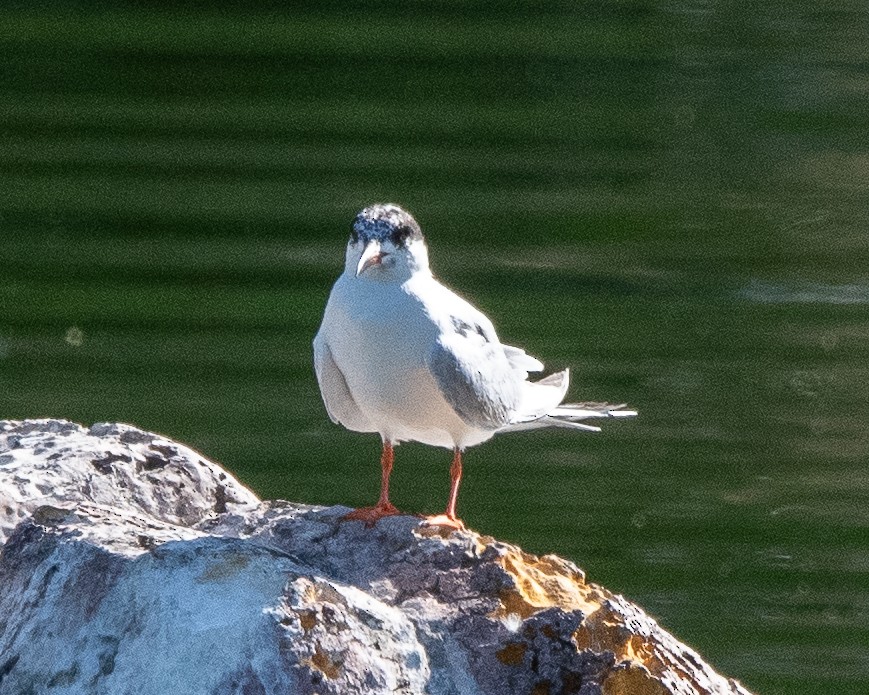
542	407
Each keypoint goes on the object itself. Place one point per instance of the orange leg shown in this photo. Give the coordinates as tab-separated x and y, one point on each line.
449	518
370	515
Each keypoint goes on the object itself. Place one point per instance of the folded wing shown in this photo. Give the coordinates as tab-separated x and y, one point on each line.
336	395
476	379
487	384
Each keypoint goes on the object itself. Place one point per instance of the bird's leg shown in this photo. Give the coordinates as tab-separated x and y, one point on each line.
455	479
387	458
449	518
370	515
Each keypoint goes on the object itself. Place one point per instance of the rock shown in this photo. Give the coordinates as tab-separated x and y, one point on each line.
133	565
59	463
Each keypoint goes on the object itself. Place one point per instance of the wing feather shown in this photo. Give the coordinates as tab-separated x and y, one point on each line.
476	378
336	394
521	360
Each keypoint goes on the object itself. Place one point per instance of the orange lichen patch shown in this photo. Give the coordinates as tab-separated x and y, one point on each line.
549	632
512	654
435	531
543	582
634	680
582	638
323	592
308	620
638	649
604	631
542	688
324	663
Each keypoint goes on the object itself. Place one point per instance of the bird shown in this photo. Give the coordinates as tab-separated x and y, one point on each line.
401	355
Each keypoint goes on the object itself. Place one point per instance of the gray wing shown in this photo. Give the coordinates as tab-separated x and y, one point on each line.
475	375
337	398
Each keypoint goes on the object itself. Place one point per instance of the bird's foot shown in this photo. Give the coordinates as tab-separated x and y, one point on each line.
444	521
371	515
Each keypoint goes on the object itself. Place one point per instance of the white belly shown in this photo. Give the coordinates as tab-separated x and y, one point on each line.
382	354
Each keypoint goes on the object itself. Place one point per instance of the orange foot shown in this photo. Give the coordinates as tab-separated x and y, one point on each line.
444	521
371	515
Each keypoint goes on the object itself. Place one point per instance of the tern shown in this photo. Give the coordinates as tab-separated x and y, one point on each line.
400	354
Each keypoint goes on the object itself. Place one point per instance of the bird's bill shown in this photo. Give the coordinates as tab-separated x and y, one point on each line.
371	256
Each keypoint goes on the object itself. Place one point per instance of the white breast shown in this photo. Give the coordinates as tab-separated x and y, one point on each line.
380	336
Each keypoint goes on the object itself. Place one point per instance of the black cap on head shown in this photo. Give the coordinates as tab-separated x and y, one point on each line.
385	221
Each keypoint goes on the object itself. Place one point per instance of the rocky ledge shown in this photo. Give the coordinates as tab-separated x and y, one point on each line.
131	564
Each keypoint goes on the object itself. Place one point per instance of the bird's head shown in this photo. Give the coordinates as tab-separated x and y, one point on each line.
386	245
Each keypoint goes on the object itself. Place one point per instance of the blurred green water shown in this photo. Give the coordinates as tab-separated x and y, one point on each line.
668	197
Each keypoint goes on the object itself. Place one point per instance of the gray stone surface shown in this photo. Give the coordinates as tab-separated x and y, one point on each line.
59	463
133	565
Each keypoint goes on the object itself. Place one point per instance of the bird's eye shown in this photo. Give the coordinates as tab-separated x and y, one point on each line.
400	235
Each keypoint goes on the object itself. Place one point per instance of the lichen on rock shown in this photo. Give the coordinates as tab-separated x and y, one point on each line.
132	564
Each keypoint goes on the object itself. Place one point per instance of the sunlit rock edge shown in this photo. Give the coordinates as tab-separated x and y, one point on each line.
132	564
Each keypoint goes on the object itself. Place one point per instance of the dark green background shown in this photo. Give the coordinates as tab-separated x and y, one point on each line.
668	197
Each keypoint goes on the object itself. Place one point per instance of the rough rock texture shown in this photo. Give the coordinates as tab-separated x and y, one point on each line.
55	462
136	566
